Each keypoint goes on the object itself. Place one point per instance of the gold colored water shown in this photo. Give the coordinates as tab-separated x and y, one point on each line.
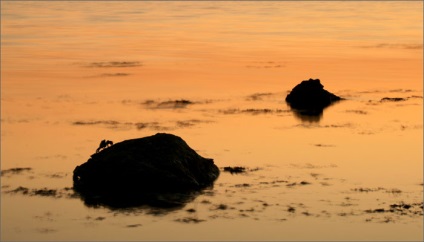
74	73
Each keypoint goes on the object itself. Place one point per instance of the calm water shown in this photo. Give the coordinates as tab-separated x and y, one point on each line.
74	73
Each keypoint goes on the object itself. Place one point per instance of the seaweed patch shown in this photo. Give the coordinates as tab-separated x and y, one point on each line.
302	183
393	99
362	112
190	123
44	192
104	122
323	145
118	74
15	171
235	169
239	169
170	104
394	46
365	189
411	209
46	230
133	225
189	220
254	111
311	166
258	96
114	64
113	124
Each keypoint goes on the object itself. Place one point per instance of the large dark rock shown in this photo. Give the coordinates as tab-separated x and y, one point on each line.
147	170
310	98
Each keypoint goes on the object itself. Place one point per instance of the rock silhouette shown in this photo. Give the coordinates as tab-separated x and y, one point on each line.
159	170
309	98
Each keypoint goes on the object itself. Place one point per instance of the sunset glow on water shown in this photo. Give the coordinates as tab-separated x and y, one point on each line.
216	74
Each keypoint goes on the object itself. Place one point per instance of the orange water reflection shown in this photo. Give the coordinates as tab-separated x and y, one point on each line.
74	74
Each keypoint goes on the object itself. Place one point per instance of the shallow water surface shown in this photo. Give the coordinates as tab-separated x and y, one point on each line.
216	74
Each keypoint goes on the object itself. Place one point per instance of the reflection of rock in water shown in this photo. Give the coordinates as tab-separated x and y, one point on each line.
160	170
170	200
307	117
309	99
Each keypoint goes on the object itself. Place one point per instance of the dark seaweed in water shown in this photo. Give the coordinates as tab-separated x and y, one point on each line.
115	64
160	170
171	104
414	209
43	192
392	99
235	169
17	170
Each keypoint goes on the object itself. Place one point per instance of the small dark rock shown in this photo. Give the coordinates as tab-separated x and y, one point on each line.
310	98
160	170
406	206
191	210
222	207
291	209
379	210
